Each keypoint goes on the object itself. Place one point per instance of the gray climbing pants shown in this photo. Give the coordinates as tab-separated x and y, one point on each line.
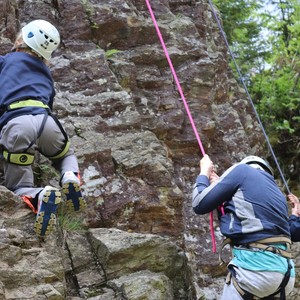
261	284
17	135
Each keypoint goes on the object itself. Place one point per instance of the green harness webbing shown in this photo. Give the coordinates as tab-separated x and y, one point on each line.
26	103
25	158
66	146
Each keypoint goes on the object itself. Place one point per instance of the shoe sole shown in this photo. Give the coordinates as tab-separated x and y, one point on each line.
74	201
46	219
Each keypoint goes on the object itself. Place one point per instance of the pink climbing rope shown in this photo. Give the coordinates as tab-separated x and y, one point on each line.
184	102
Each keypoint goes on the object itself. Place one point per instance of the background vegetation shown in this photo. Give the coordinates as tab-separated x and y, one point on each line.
264	37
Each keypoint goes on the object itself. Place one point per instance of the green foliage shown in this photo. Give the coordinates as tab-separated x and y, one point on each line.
69	221
265	38
276	90
242	28
236	18
111	52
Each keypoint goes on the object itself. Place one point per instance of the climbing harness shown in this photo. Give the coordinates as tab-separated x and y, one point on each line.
25	158
184	102
267	244
248	296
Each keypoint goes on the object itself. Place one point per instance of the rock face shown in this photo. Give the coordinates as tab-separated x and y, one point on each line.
138	155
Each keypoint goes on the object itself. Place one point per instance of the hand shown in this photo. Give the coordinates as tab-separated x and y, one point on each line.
206	166
213	177
295	204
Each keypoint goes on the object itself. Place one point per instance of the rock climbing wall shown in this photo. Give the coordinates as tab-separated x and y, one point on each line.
119	103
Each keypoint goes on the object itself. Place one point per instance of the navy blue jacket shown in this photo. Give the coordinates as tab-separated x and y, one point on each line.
295	228
24	76
254	206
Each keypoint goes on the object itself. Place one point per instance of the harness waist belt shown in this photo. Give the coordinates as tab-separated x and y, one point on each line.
271	248
266	244
26	103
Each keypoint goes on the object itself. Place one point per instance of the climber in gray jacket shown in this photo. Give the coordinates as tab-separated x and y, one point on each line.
255	219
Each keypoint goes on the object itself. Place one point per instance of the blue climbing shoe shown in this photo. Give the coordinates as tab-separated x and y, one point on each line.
48	200
72	191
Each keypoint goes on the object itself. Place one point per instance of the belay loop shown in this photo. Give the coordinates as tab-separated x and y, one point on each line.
184	102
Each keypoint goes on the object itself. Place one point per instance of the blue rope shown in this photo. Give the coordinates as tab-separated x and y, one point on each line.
248	95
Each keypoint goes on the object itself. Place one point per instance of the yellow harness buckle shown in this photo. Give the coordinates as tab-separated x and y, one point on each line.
23	159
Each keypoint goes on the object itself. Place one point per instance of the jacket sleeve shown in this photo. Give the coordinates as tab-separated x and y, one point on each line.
208	197
294	223
1	62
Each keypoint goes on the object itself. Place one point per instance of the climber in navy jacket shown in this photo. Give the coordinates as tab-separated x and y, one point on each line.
27	125
256	221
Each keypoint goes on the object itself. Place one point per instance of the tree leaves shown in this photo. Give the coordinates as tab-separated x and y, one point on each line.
265	39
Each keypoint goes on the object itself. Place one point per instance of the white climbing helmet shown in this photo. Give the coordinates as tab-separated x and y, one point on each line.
255	160
42	37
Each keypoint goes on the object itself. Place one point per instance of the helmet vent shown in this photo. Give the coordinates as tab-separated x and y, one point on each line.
47	37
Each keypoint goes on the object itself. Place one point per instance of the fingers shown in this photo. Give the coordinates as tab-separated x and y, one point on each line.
293	199
206	166
213	177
